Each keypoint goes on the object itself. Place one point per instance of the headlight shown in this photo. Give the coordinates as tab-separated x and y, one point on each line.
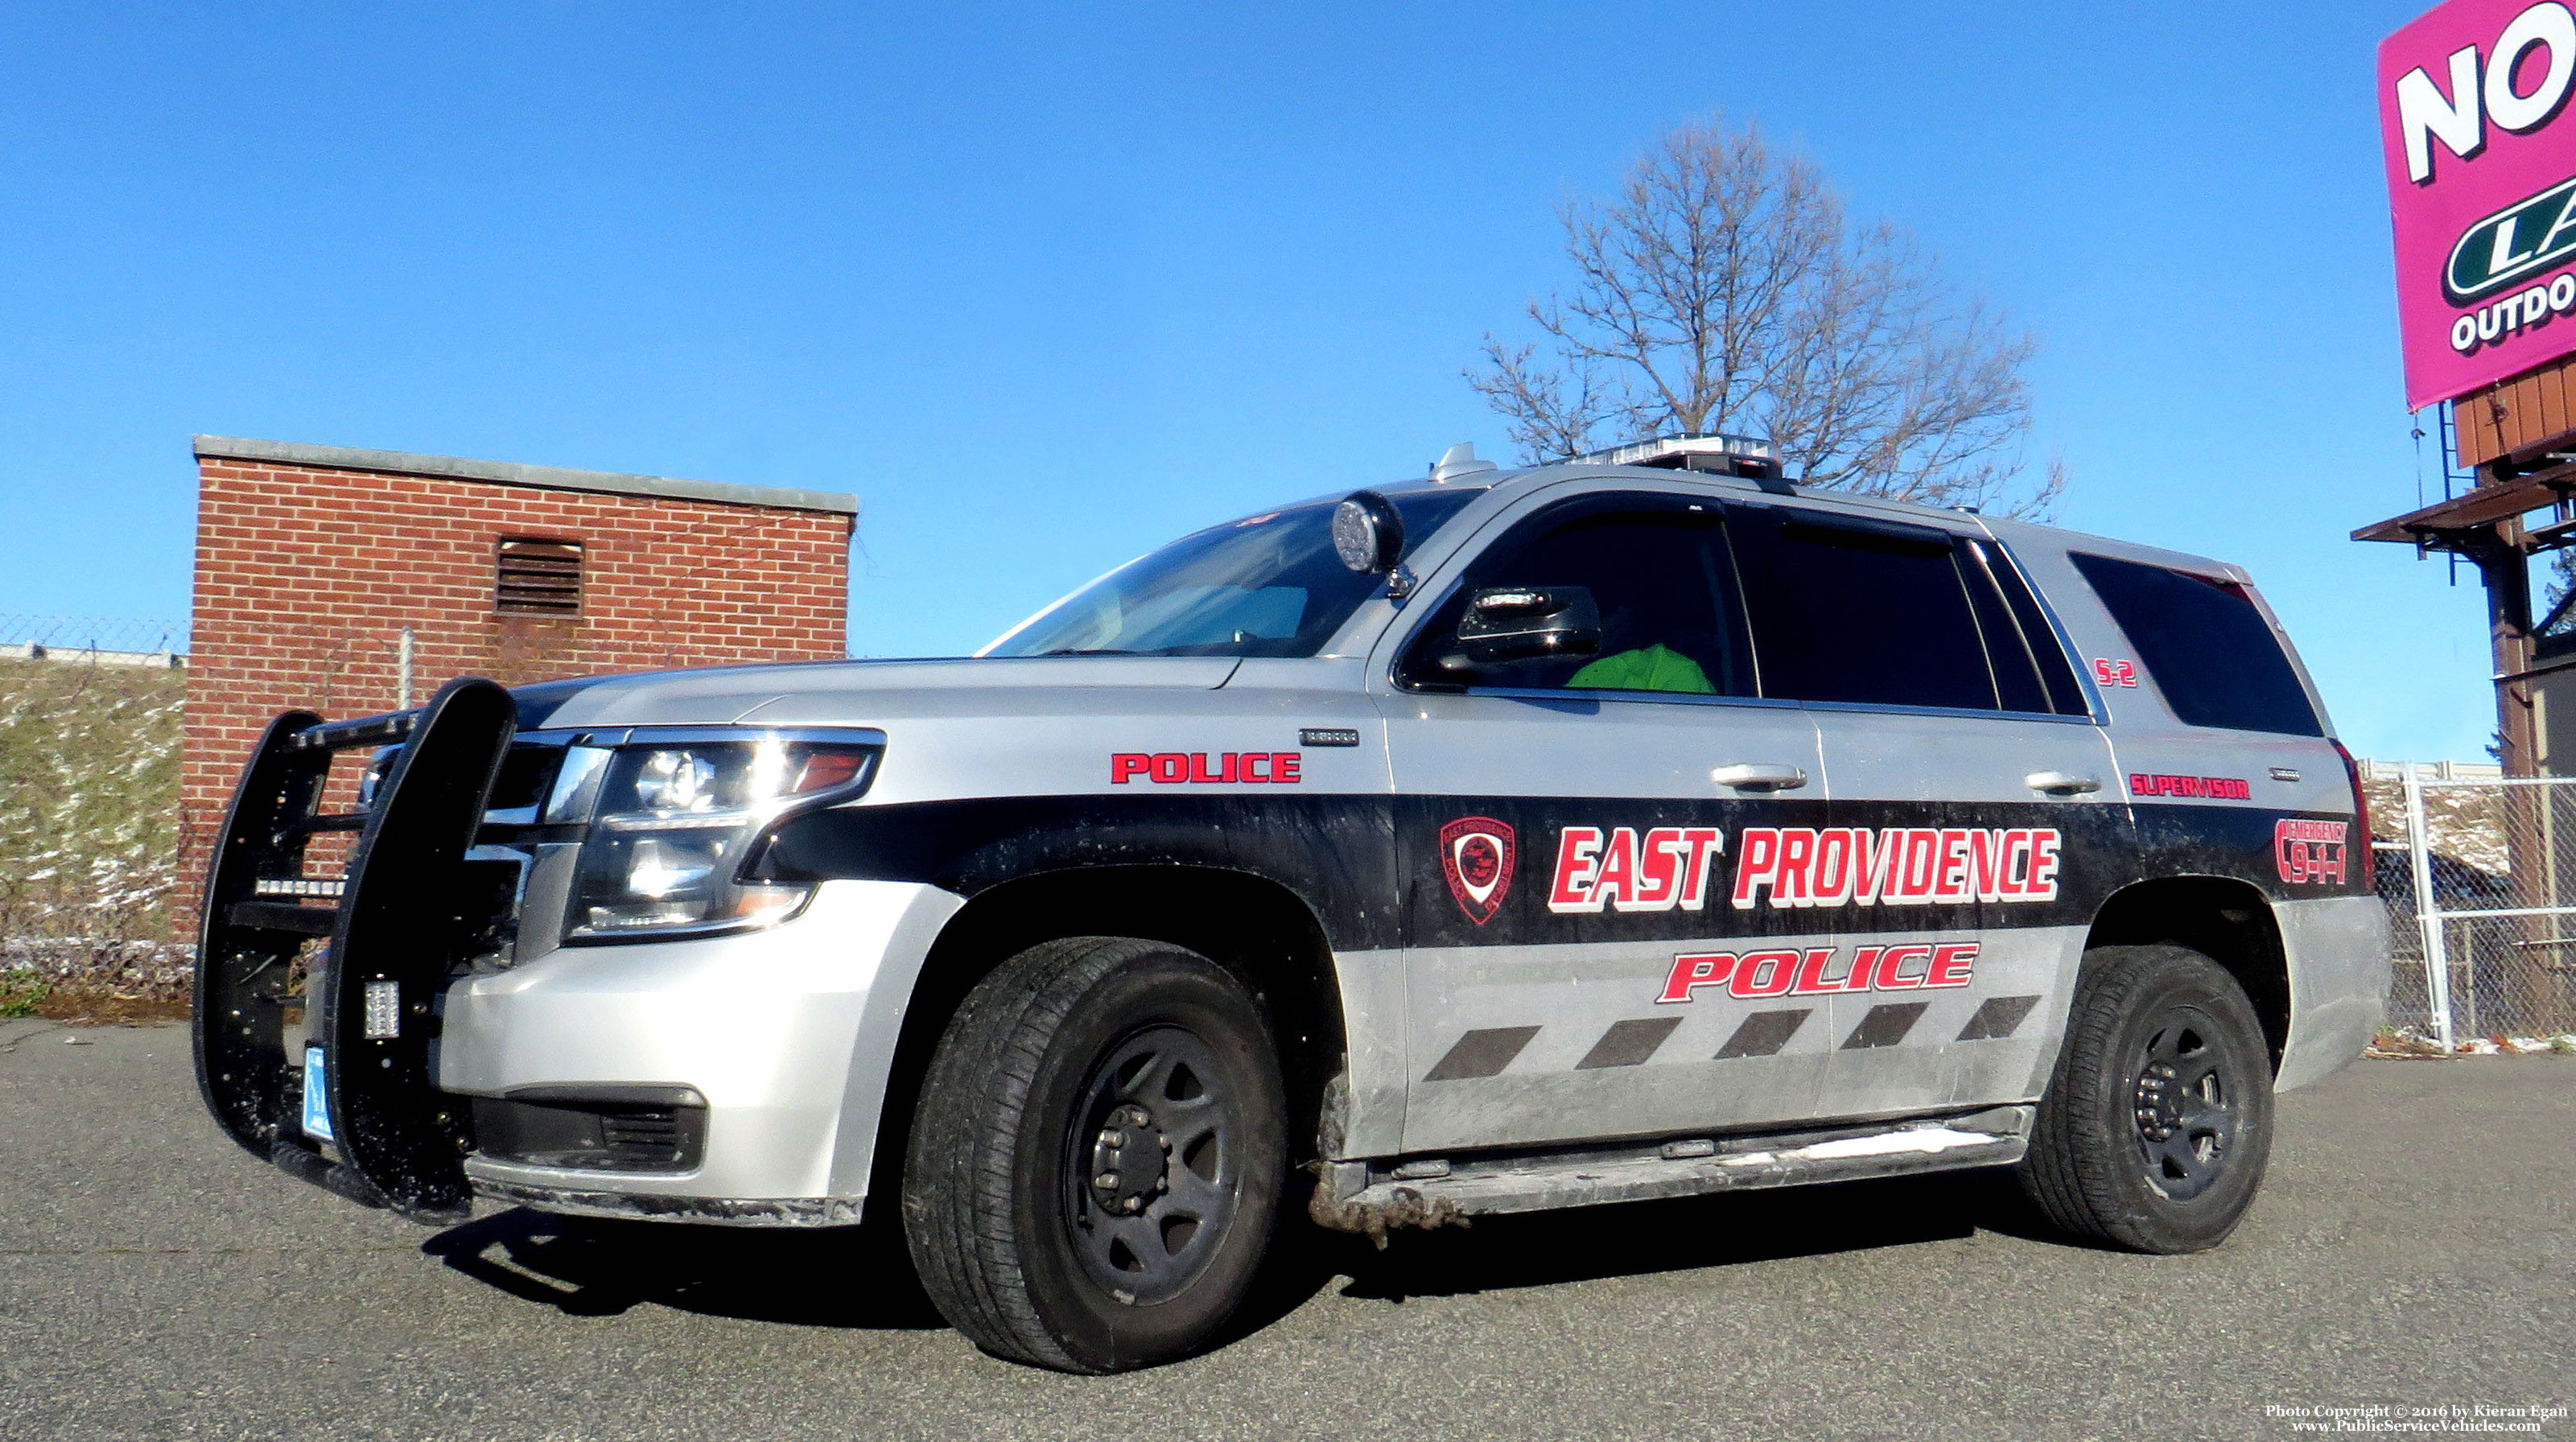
671	823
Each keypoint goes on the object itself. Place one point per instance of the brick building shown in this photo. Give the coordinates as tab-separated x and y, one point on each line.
311	561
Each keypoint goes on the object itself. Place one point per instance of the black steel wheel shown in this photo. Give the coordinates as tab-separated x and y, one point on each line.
2157	1122
1097	1157
1153	1188
2186	1103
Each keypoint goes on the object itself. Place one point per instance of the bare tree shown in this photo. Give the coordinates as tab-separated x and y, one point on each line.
1725	290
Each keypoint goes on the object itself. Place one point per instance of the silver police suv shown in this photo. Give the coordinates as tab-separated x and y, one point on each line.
1501	841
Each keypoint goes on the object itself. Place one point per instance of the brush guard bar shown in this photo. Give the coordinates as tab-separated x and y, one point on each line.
402	919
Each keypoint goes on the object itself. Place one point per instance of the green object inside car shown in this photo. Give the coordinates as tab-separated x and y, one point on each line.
1653	668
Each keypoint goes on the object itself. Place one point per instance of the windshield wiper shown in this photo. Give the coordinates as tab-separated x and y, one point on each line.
1089	651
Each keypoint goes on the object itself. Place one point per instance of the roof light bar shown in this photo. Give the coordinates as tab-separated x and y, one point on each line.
1749	457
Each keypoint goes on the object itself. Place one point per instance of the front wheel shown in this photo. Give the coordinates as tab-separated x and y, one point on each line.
1097	1156
2158	1120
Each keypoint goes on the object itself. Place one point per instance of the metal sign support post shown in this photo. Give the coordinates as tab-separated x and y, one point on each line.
2428	911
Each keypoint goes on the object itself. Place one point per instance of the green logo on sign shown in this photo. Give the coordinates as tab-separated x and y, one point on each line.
2510	245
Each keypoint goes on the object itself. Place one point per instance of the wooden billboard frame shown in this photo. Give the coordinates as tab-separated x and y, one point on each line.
2519	436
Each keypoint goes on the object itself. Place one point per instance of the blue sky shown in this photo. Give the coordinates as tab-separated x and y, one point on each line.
1046	286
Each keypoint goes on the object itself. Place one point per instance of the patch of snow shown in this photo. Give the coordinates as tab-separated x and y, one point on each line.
2516	1045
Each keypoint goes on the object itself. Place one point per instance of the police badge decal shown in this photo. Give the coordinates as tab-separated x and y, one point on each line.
1476	853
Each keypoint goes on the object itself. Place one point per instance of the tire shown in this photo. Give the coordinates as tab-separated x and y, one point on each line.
2157	1122
1097	1156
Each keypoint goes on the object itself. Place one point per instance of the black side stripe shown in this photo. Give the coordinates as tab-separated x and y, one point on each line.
1762	1034
1628	1043
1885	1025
1482	1053
2000	1017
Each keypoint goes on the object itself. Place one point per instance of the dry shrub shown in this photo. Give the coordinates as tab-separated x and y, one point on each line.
89	822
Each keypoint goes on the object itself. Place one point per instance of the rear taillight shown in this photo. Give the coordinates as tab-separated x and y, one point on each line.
2360	819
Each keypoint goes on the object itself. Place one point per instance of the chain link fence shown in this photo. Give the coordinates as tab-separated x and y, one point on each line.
2481	893
113	640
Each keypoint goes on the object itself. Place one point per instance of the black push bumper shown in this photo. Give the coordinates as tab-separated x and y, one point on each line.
409	908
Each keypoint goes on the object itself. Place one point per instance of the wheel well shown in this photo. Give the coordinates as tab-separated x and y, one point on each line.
1257	929
2228	921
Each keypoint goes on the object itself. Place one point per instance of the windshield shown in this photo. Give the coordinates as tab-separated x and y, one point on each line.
1267	585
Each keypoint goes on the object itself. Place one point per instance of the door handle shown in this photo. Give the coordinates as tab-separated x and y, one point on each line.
1759	776
2060	783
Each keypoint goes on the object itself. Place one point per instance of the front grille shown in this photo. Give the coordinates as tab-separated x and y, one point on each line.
527	771
508	847
487	907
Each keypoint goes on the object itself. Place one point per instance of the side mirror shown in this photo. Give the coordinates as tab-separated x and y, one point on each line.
1505	624
1368	534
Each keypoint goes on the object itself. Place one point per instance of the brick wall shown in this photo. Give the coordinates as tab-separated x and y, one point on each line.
307	573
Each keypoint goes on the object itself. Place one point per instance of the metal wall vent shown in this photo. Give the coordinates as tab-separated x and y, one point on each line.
537	578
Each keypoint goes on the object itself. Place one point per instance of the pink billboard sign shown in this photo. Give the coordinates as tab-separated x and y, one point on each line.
2481	153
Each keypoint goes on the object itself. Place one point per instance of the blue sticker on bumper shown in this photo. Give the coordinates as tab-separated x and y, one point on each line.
317	1103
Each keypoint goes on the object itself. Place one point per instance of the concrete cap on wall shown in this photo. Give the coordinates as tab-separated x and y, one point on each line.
511	473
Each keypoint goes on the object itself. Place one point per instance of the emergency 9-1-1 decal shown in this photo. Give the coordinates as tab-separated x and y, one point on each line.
2310	852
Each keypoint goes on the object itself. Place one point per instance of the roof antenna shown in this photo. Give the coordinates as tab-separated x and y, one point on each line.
1459	460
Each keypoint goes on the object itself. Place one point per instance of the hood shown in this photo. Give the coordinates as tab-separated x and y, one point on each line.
833	692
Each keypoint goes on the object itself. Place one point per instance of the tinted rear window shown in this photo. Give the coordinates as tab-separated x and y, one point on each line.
2206	646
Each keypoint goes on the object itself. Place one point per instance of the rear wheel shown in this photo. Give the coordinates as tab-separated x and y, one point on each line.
2158	1120
1097	1156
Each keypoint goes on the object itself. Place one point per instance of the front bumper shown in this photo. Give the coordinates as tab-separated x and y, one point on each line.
788	1033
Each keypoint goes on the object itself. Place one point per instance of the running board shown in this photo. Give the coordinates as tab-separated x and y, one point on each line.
1369	1198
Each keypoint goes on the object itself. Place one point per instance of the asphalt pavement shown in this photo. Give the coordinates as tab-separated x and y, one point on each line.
2412	1249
